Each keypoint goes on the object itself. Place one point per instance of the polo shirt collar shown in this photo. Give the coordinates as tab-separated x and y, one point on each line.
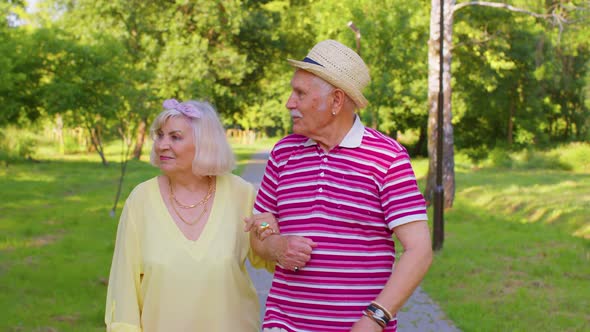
353	138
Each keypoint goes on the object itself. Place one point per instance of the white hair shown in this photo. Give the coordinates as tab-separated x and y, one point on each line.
213	153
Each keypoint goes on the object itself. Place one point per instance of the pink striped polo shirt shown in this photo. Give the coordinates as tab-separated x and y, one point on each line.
348	201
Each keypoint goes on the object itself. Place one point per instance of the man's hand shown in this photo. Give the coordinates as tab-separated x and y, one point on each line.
292	252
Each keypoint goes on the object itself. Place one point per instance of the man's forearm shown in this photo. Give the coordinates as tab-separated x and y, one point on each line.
410	268
407	274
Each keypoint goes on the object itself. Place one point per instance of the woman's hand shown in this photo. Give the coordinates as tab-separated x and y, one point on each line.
263	225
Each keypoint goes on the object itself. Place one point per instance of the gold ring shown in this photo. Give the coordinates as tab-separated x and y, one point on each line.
264	226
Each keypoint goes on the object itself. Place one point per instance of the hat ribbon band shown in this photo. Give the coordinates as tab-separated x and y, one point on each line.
308	60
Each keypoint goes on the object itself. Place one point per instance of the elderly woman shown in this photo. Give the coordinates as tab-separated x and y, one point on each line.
180	250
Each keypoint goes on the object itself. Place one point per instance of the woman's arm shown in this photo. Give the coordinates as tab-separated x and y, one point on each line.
122	312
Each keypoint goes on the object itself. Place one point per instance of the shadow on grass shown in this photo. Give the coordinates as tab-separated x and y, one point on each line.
550	197
497	274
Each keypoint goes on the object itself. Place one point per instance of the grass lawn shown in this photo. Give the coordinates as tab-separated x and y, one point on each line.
516	255
57	239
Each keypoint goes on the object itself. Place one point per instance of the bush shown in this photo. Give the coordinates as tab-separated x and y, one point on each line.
575	155
476	154
16	144
531	159
500	157
567	157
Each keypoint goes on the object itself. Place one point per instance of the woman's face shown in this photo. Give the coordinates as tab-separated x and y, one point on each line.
174	145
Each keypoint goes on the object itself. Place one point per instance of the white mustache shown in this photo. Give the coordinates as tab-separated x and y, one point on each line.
296	114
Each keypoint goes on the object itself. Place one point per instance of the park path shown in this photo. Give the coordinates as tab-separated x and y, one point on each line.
419	314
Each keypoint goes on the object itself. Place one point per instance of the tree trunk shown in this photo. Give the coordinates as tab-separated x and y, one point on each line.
510	137
140	139
59	126
433	87
450	7
97	143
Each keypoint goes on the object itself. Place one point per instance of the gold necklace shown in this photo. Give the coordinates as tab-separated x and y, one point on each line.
201	202
184	221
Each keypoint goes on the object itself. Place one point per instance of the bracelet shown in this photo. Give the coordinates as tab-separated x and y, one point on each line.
378	314
377	320
387	313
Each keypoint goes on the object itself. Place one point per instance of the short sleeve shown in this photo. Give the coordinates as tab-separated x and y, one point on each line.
401	199
266	200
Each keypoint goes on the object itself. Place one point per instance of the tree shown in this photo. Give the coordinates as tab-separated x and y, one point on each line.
557	12
83	82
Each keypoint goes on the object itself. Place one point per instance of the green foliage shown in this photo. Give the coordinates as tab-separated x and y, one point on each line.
519	81
575	155
20	77
500	158
476	154
531	159
567	157
106	65
16	145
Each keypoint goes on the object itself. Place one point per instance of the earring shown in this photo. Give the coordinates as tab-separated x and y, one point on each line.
333	113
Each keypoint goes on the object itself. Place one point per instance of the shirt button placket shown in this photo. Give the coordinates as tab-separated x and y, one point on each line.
322	173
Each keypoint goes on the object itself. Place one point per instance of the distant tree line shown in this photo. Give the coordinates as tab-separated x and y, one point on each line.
106	65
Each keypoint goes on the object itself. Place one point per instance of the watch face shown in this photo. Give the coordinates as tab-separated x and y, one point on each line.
379	313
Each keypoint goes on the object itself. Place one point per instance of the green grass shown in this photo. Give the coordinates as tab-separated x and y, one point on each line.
516	255
56	238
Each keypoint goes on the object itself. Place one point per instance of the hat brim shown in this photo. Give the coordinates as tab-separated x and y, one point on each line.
357	96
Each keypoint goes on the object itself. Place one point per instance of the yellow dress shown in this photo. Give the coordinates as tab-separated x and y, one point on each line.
161	281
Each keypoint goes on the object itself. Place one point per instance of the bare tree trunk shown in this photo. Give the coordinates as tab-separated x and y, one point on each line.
126	147
140	139
59	126
96	141
510	137
126	142
433	83
450	7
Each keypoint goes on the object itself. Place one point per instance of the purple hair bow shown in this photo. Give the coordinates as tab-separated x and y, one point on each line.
186	109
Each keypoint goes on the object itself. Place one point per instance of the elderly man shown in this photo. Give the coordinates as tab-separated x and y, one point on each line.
339	192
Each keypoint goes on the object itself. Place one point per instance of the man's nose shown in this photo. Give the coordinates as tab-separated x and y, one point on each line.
291	102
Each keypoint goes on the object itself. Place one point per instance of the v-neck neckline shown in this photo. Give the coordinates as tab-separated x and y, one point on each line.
210	223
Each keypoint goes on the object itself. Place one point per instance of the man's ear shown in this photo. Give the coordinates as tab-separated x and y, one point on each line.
339	98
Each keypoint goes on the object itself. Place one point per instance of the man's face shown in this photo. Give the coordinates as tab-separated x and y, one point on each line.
309	104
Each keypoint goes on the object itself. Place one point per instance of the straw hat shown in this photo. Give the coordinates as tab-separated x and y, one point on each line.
338	65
